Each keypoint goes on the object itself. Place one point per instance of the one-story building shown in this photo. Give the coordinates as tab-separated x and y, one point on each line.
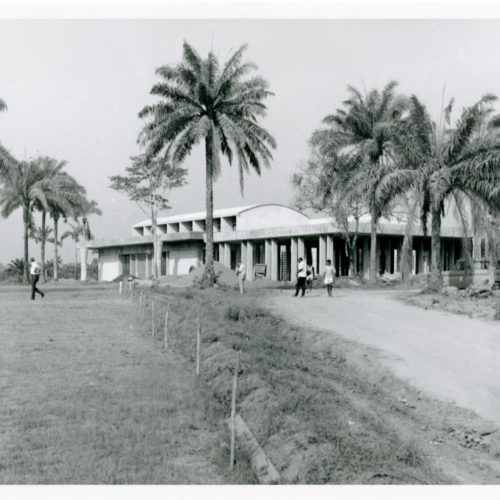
269	238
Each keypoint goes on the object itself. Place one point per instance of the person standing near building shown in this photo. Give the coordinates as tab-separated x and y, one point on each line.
35	276
241	272
328	277
301	277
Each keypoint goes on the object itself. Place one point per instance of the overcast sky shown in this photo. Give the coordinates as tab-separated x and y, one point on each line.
74	88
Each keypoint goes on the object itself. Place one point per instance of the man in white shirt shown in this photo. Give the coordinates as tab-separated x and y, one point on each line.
301	277
241	272
35	276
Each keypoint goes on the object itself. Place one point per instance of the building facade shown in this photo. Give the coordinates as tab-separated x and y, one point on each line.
268	238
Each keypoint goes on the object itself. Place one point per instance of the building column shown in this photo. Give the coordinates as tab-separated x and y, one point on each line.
227	255
413	261
267	257
249	260
221	253
366	258
293	259
243	252
396	263
300	248
322	254
452	255
274	260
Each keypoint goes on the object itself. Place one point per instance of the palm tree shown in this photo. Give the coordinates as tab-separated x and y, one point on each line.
440	162
362	133
16	268
75	233
66	199
22	188
84	209
201	101
53	177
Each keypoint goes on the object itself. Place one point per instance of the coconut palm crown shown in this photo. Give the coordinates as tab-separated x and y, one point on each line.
200	100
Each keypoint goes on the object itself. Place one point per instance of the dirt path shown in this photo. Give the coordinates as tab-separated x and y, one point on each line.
453	358
88	398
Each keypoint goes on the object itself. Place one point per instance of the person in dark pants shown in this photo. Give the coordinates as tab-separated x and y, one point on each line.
35	276
301	277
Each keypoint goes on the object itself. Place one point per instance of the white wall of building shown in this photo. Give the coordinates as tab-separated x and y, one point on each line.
182	257
265	216
109	264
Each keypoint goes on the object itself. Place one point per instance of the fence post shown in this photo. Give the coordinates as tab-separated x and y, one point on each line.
152	317
233	411
120	287
198	345
132	292
166	328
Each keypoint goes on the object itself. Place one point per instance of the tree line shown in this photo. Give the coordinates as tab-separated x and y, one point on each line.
381	149
42	185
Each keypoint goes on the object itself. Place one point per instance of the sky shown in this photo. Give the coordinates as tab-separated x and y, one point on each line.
74	88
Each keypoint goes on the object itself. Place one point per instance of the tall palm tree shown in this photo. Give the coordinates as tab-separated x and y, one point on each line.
199	100
441	161
74	233
84	209
53	177
362	133
65	201
22	188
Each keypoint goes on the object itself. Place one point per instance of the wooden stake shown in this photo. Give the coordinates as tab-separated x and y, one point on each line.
233	411
132	292
120	287
152	317
166	328
198	342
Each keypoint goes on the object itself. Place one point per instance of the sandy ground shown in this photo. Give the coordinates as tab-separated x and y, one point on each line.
453	358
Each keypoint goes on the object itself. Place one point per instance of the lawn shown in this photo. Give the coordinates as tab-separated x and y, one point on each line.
87	399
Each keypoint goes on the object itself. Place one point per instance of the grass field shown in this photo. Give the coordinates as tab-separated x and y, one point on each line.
87	399
88	396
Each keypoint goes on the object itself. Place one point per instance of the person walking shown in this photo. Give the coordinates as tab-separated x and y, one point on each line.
301	277
241	272
35	276
328	277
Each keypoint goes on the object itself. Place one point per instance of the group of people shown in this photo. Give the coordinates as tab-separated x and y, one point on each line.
305	276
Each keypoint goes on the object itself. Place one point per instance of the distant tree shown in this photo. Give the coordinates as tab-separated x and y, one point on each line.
202	102
16	268
147	182
3	106
75	233
83	210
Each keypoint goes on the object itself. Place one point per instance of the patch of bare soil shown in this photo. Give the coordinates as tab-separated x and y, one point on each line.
456	442
486	307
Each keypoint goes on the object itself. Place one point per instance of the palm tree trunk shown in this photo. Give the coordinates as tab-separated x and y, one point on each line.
26	236
83	260
56	250
155	241
209	274
435	281
373	248
42	244
492	260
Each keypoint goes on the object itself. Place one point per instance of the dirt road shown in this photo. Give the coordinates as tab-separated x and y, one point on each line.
453	358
